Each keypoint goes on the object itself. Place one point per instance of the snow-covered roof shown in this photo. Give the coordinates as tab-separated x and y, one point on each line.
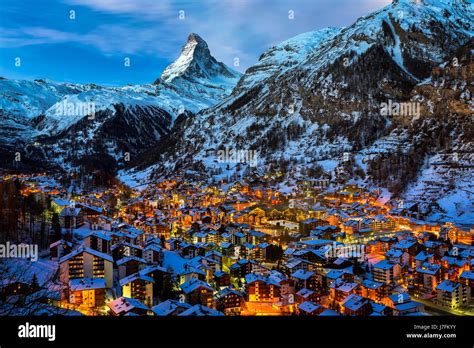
309	307
168	307
200	310
84	249
448	285
86	284
126	304
193	284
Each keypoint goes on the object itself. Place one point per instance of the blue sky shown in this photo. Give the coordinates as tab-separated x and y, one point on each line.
92	47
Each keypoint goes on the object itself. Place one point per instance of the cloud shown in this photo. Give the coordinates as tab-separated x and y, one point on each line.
232	28
147	8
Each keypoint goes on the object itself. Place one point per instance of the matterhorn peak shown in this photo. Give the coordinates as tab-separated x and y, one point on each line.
196	62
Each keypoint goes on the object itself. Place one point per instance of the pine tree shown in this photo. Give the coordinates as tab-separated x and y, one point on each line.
56	227
34	283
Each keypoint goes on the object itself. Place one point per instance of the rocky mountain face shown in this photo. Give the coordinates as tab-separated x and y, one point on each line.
442	139
341	101
63	125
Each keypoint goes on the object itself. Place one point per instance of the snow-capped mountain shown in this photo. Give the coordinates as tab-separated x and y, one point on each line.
195	64
21	101
194	81
283	57
71	119
317	96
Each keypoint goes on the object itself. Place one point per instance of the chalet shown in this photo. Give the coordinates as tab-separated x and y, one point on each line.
260	289
449	294
397	256
356	305
138	286
86	263
238	238
60	248
159	275
98	241
386	272
467	283
255	237
71	218
437	248
409	246
89	213
306	279
310	308
221	279
153	253
373	290
401	304
243	267
306	226
229	301
198	292
88	292
423	257
338	274
428	277
129	265
454	266
190	272
188	250
173	244
339	291
324	232
295	264
58	204
307	295
124	249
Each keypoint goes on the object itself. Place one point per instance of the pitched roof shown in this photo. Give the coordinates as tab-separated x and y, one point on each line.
309	307
302	274
86	284
200	310
354	302
125	304
384	264
168	307
134	277
84	249
448	285
130	258
193	284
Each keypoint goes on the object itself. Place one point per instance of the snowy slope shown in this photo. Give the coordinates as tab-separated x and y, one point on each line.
20	101
284	56
327	86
